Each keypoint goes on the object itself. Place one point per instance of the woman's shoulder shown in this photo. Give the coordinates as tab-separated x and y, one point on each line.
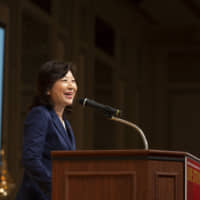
39	111
40	108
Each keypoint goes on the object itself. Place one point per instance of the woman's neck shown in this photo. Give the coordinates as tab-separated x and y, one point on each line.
59	111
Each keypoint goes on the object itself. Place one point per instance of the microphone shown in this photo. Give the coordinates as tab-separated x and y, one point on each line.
114	114
108	110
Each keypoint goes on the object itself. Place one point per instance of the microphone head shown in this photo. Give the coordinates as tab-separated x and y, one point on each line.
108	110
82	101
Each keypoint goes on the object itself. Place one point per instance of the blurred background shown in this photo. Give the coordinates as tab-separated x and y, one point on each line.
142	56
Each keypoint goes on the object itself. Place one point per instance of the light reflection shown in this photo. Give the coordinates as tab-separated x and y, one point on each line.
6	182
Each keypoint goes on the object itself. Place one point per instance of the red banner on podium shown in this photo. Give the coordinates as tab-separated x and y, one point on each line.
192	182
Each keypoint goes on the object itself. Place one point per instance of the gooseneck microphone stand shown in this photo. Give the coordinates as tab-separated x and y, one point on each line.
139	130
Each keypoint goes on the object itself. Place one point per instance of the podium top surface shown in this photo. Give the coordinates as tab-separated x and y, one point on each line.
122	154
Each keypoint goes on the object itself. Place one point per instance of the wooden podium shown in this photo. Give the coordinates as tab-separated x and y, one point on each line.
118	175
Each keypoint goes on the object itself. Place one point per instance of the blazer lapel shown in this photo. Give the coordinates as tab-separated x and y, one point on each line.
58	124
61	128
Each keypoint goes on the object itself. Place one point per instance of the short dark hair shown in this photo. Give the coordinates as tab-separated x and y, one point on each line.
48	74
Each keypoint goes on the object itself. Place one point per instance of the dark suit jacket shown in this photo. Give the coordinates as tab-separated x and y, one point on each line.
43	132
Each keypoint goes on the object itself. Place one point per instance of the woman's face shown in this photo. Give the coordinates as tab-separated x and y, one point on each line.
64	90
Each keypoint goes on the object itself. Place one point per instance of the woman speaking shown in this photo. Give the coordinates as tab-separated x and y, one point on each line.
46	129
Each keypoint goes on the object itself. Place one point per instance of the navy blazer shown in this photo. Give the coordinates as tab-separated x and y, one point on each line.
43	133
